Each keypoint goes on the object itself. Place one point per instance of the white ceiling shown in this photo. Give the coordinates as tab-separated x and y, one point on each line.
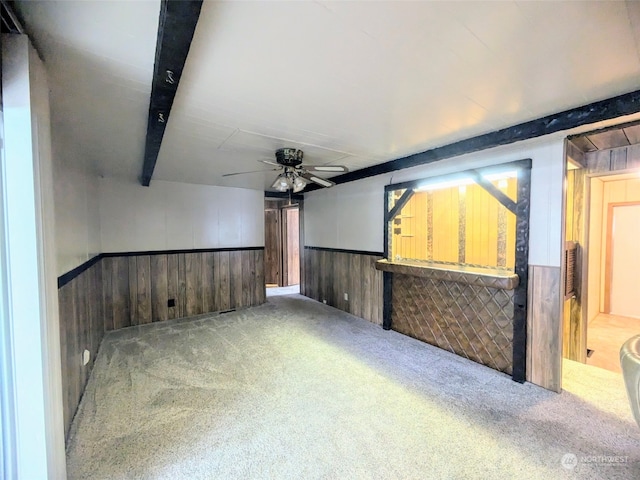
352	83
99	56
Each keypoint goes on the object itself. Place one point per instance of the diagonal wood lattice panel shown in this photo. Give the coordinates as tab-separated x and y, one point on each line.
472	321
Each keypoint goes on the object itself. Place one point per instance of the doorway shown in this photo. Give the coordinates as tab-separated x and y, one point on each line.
622	261
603	312
282	227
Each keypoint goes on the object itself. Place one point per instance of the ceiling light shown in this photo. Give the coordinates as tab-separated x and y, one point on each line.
440	185
298	184
500	176
282	183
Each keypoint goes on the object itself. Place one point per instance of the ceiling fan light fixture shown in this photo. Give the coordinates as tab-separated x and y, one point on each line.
282	183
298	184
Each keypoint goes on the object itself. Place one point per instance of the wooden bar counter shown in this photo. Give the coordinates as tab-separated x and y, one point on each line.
466	310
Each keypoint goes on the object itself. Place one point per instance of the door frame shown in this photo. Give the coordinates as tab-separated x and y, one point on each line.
281	204
278	247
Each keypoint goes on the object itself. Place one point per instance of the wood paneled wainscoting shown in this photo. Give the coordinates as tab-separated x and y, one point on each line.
81	307
544	347
117	290
145	288
331	273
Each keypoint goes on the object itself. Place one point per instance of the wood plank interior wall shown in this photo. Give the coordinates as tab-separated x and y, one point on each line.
574	335
129	290
615	159
273	246
81	308
140	287
456	225
544	349
329	274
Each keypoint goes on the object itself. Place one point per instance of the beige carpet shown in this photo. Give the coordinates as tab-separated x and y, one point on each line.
297	389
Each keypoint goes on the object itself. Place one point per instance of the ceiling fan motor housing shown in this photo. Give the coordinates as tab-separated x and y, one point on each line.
289	157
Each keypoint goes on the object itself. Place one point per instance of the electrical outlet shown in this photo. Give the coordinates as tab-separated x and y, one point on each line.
346	296
86	356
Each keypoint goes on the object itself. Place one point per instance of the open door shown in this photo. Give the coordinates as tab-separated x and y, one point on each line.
272	247
282	243
291	246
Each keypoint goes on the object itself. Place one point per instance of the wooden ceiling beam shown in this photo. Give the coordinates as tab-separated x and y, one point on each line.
176	26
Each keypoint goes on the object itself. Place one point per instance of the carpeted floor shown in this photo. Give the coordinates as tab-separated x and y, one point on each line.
297	389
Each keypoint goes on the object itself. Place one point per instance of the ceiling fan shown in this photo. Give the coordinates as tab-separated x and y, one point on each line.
296	175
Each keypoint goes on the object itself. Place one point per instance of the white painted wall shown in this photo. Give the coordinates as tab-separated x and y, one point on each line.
350	216
625	262
76	212
172	216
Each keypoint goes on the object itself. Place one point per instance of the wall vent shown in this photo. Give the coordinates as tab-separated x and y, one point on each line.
570	254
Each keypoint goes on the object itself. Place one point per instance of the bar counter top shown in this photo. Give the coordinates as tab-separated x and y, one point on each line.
486	277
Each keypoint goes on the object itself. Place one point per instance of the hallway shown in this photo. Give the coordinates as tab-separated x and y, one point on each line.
606	334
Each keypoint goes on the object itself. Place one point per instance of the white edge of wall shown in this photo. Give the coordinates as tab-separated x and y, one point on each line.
31	264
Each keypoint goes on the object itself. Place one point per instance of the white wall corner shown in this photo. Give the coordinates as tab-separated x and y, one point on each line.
31	263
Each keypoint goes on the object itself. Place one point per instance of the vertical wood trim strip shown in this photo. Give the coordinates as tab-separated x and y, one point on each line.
193	284
172	286
247	276
429	225
521	269
502	236
143	312
133	290
181	300
107	291
545	329
223	281
261	294
159	288
121	300
235	279
462	224
208	304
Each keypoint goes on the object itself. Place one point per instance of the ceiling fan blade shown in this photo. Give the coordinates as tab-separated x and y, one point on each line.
252	171
271	163
325	168
323	182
